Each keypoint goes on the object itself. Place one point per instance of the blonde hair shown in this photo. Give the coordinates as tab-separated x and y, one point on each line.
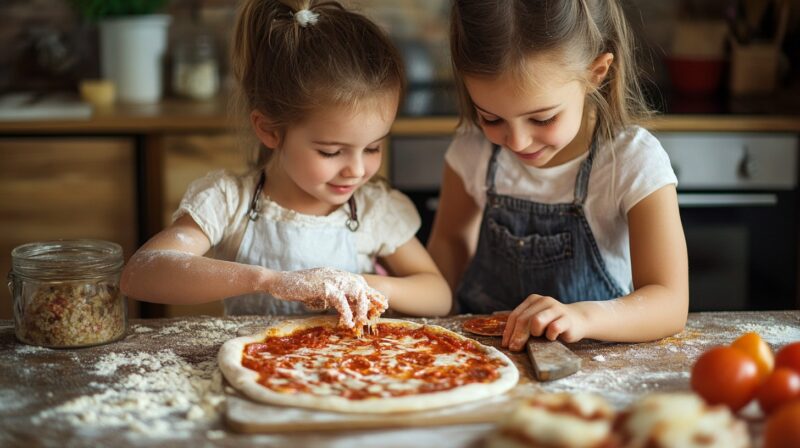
492	37
287	66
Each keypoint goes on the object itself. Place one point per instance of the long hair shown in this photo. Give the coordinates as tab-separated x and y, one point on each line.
286	68
492	37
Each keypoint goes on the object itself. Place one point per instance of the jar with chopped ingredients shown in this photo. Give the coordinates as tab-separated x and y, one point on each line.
66	293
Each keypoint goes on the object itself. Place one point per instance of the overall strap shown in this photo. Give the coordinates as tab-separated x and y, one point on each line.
252	211
492	169
352	220
231	248
582	179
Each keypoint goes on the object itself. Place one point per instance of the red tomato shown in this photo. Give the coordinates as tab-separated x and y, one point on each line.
789	356
781	387
755	347
783	427
725	375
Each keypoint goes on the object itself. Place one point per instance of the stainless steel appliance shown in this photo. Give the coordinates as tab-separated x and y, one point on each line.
738	195
738	199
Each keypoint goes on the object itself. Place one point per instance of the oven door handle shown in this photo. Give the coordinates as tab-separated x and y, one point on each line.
727	199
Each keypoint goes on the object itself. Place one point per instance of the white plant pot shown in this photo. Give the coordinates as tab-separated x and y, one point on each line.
132	52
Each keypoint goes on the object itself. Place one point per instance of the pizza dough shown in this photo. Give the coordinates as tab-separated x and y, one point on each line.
401	366
556	420
666	420
679	421
493	325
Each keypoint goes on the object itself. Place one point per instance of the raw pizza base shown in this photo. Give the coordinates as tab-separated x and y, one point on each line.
246	380
492	325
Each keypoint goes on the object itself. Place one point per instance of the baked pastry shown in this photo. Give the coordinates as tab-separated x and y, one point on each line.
679	420
556	420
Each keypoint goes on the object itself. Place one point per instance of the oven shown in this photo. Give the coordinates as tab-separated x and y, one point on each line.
738	198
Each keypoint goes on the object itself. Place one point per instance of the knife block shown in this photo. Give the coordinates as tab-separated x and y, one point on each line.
754	68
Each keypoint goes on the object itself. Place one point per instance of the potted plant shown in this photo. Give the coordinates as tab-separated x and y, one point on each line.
133	42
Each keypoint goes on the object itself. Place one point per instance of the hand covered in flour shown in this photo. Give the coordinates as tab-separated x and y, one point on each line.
358	304
543	316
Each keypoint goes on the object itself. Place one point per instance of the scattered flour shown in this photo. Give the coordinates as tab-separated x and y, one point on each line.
774	334
161	385
619	387
152	394
599	358
212	331
215	434
28	349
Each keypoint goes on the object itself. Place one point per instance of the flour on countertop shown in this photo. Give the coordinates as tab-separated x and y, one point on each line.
620	387
599	358
152	394
28	349
158	385
769	327
774	334
212	331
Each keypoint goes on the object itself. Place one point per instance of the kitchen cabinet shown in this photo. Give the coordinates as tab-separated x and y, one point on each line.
64	188
187	157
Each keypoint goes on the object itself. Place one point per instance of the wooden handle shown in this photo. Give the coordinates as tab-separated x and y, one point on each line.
551	359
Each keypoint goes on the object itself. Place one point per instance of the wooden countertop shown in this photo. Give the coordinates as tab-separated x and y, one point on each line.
182	116
109	396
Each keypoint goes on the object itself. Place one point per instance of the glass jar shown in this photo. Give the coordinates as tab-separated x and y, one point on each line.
66	293
195	71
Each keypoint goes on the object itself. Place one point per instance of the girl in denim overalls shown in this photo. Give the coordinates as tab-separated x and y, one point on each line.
554	204
303	230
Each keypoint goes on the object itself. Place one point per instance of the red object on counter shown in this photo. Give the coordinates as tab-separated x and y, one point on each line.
695	76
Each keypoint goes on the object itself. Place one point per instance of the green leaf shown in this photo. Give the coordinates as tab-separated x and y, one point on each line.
94	10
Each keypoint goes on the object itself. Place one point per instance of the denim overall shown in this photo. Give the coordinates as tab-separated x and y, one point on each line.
527	247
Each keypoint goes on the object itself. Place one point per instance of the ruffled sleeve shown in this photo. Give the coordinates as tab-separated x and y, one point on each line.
390	219
212	201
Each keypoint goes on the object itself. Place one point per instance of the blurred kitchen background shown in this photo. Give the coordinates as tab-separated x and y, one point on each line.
89	151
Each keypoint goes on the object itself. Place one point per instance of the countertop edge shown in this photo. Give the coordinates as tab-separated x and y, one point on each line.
444	125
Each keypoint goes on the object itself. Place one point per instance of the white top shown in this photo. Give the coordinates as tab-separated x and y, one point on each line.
634	160
218	204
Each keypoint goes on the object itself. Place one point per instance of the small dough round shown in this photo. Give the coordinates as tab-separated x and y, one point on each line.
679	420
556	420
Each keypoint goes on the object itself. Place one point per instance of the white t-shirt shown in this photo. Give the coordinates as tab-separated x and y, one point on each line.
624	172
388	219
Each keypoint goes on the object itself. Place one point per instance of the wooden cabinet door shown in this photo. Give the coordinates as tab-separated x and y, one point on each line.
190	157
186	158
65	188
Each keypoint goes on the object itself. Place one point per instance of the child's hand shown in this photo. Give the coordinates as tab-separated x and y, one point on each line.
543	316
320	288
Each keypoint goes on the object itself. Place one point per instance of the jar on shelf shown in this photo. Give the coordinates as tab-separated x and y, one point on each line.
195	70
66	293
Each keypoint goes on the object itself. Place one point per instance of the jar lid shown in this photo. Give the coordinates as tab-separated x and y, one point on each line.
66	259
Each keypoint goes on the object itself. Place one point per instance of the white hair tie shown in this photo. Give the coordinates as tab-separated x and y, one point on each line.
306	17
